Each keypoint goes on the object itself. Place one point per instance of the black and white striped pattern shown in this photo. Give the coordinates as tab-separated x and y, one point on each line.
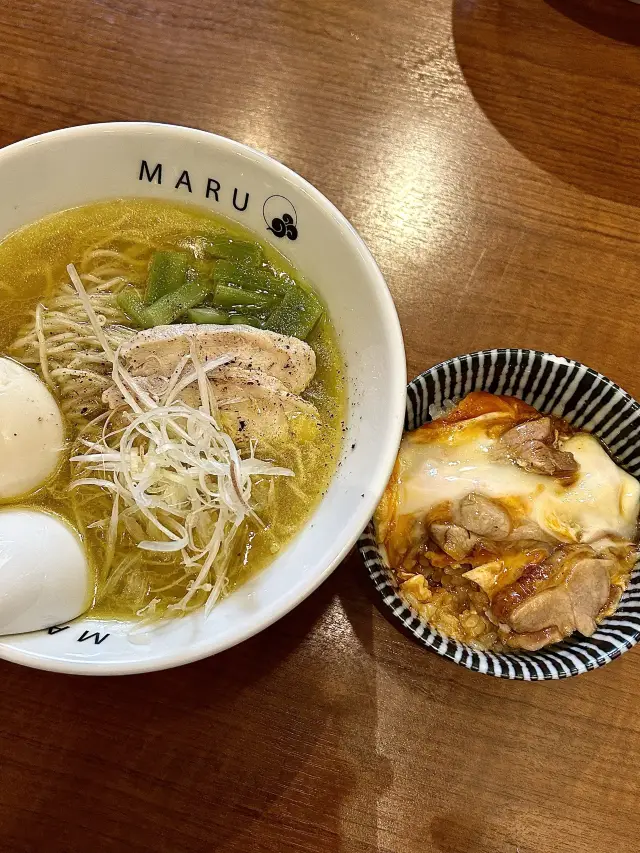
588	400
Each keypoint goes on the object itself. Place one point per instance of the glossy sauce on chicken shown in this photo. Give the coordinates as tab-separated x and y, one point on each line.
506	528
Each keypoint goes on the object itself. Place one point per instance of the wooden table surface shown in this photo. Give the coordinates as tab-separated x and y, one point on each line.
488	151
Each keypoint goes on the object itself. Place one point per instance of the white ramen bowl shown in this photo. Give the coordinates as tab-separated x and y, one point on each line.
80	165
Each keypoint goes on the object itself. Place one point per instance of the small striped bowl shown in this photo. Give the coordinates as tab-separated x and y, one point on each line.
589	401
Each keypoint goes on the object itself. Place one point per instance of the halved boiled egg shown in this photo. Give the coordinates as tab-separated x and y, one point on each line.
31	431
45	577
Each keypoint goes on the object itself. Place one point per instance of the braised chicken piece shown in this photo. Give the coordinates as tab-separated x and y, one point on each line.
541	459
538	429
562	595
535	640
530	445
588	586
482	516
453	539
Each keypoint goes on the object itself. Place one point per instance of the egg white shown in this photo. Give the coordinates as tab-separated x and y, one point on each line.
602	502
31	431
45	578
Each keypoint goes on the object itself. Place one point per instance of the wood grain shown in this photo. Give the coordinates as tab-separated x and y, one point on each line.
489	153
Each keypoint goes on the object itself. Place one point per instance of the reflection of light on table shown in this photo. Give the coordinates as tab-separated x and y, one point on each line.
259	125
407	195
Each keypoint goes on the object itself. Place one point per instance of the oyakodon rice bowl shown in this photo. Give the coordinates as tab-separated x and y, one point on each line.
194	456
514	554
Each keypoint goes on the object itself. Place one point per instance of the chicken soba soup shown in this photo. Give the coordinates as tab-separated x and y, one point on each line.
173	400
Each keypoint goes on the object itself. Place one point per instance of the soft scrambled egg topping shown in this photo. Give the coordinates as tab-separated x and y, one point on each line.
447	464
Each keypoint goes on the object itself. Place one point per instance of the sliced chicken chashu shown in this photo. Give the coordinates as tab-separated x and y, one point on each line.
157	351
252	404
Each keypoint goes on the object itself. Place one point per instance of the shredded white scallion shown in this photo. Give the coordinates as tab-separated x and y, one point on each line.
179	483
